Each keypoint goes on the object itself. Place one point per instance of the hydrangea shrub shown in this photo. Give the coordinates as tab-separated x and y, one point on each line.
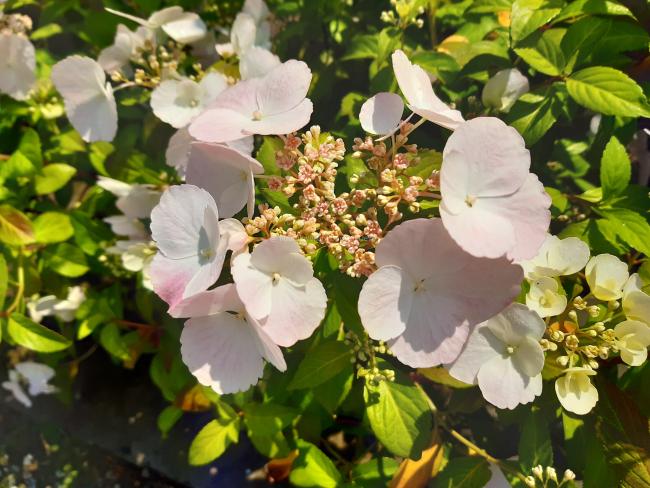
392	243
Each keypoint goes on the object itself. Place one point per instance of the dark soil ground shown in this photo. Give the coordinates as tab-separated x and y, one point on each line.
107	437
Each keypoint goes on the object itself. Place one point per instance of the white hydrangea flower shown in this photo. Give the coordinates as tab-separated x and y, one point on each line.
178	102
504	89
575	391
544	297
277	284
124	48
504	357
381	115
557	257
223	346
51	305
135	201
17	65
636	303
88	97
257	62
183	27
35	376
606	275
179	148
632	340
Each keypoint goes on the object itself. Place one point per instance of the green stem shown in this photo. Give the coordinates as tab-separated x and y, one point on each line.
21	287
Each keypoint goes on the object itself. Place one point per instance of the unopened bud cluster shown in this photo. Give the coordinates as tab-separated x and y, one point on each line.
363	357
548	477
15	24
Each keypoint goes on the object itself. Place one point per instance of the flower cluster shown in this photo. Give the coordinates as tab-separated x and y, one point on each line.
17	56
585	328
442	241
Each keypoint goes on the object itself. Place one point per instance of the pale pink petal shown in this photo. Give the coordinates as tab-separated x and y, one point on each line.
219	125
224	172
242	33
257	62
233	234
169	277
434	333
212	85
253	285
222	352
504	386
385	302
484	158
479	232
516	323
17	65
491	205
284	122
284	88
481	346
177	102
452	290
529	214
408	246
221	299
177	221
178	150
416	87
225	119
88	98
282	255
244	146
382	113
266	346
296	311
187	29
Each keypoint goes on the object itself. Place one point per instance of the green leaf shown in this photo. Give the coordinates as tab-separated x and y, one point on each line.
362	47
15	227
535	113
46	31
466	472
585	7
608	91
615	169
624	434
66	259
112	340
53	177
334	391
320	364
30	147
4	282
168	418
580	38
35	336
400	417
529	15
213	440
312	468
376	472
542	51
89	234
17	165
440	375
632	227
535	443
267	154
52	227
267	418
